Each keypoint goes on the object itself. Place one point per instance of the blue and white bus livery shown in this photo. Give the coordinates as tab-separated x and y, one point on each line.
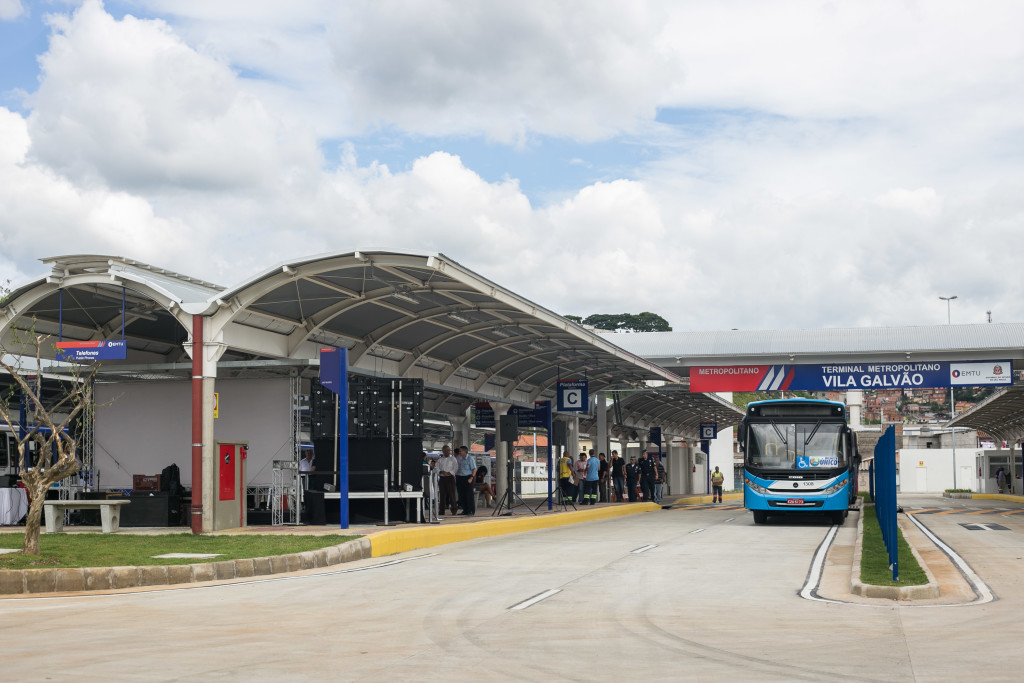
799	456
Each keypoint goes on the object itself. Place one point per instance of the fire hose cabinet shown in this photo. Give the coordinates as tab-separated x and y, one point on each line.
229	509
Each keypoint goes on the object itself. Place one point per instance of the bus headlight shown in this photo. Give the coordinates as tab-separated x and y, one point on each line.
838	486
757	487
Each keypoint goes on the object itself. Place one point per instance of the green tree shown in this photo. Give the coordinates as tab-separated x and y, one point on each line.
627	322
51	456
46	448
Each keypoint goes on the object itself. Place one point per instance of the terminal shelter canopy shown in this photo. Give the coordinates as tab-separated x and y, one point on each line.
402	314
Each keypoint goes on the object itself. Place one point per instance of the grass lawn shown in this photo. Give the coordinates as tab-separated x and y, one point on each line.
874	561
121	550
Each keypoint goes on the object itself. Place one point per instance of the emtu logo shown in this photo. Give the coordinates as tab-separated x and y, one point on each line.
956	373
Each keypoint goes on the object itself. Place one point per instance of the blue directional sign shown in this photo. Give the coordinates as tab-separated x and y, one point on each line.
93	350
572	395
526	417
708	431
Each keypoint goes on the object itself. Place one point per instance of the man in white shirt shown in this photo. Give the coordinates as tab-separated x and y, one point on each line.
447	465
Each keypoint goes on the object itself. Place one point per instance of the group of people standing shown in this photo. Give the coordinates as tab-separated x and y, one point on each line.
457	481
592	478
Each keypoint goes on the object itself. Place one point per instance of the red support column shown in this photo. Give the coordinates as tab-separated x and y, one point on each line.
197	424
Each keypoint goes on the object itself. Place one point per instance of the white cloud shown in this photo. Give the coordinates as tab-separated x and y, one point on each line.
504	69
128	103
11	9
42	214
835	166
924	202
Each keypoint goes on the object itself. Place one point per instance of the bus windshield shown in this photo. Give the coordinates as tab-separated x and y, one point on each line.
796	445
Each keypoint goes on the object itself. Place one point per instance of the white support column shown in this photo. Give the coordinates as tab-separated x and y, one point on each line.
854	401
500	450
460	429
574	436
209	452
212	352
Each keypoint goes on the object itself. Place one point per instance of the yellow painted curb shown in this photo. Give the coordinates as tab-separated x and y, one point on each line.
696	500
999	496
402	540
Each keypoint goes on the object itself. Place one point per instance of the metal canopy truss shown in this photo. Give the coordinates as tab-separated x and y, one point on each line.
1000	415
673	408
400	314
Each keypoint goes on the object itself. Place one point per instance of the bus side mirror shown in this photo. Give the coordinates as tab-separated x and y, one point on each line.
741	435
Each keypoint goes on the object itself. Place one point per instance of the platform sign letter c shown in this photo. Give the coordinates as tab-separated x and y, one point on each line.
573	398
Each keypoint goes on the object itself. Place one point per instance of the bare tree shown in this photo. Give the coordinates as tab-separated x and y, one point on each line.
49	423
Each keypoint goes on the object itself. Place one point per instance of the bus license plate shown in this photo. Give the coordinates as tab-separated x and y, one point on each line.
794	501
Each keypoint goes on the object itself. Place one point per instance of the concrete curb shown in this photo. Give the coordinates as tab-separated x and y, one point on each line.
402	540
1000	496
88	579
932	589
700	500
390	542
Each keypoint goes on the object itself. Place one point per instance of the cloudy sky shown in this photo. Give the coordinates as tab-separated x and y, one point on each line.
724	163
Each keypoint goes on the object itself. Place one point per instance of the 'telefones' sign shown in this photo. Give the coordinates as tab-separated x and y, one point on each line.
850	376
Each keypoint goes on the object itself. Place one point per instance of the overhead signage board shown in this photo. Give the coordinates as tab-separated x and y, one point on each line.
483	416
527	417
708	431
93	350
838	377
331	362
572	395
975	374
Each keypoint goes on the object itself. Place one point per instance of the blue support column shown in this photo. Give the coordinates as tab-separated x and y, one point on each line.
885	501
549	419
334	376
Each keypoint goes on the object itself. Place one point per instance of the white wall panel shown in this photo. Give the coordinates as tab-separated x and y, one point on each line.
143	427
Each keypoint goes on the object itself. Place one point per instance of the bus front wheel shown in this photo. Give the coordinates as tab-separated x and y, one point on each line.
838	517
760	516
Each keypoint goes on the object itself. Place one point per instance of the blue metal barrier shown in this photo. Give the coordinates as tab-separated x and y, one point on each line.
871	480
885	495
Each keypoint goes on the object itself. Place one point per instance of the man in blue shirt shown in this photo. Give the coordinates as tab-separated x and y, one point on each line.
590	483
464	477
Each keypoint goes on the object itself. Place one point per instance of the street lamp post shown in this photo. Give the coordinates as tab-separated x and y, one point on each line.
952	401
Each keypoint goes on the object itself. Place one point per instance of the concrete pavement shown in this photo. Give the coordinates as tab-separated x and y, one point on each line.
840	578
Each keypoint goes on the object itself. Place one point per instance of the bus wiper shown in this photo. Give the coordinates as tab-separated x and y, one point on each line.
782	437
813	432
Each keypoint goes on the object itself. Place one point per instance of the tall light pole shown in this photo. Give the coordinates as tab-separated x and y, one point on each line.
947	299
952	402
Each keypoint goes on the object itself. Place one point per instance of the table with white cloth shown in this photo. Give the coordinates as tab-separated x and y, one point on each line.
13	505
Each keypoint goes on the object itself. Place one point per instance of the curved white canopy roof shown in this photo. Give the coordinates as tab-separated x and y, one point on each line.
404	314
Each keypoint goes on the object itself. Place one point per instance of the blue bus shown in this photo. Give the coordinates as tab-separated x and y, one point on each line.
799	456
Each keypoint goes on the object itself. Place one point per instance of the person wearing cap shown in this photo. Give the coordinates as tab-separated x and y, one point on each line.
632	477
647	476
